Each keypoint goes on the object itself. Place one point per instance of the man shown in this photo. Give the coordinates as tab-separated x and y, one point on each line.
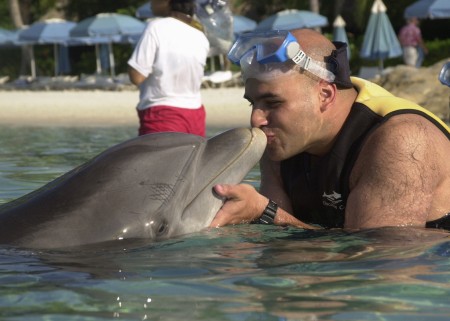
167	65
341	152
412	43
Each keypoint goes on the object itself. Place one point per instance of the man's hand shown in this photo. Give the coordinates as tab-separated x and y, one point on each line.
243	204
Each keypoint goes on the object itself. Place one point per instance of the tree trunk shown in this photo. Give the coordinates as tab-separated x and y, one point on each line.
14	11
16	17
314	6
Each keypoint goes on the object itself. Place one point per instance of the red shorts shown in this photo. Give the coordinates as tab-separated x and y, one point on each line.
172	119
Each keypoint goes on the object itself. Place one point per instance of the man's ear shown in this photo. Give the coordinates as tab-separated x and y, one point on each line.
327	94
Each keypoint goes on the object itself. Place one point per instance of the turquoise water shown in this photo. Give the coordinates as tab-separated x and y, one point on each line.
247	272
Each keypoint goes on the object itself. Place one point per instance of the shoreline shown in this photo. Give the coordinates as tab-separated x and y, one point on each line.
225	108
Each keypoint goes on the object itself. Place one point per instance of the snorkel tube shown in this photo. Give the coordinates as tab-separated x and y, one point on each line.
444	75
444	78
217	21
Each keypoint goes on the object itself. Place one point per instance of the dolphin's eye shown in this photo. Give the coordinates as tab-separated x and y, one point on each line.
162	229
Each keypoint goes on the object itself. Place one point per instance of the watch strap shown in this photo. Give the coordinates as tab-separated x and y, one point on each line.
269	213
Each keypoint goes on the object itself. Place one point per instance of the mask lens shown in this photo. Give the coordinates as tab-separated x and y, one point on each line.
266	43
269	48
269	52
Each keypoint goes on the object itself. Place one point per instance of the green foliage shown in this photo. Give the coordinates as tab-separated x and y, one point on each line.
122	53
9	64
5	21
83	60
360	15
41	7
44	60
355	13
80	9
438	50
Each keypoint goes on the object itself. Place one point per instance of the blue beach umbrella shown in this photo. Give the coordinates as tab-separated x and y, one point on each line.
144	11
292	19
112	27
242	24
47	32
51	31
7	37
380	41
433	9
339	33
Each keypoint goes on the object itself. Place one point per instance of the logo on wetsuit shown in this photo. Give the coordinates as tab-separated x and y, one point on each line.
333	199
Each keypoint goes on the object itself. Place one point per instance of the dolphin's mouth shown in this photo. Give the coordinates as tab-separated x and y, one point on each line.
234	154
234	160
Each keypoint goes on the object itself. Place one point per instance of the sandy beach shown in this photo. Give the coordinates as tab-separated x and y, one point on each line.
225	108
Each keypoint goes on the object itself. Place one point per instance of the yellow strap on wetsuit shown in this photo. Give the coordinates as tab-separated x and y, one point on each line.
382	102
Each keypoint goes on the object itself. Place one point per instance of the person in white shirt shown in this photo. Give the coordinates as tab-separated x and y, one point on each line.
168	65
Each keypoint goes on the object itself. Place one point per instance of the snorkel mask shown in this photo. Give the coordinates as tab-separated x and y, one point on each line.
269	54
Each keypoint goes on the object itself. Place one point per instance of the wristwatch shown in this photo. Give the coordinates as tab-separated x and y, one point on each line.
268	216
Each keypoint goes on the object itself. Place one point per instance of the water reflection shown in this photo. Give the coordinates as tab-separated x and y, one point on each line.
32	157
247	272
241	272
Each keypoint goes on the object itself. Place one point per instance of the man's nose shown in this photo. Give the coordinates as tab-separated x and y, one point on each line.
258	118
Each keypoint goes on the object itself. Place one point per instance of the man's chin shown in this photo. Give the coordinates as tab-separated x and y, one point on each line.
275	154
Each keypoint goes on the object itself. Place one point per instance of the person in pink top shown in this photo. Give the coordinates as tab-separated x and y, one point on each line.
410	38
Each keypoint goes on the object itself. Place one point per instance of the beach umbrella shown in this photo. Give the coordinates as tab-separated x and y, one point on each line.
242	24
292	19
110	28
144	11
433	9
47	31
111	25
51	31
339	33
380	41
7	37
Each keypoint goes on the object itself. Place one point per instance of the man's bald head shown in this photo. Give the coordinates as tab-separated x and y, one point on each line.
313	43
321	49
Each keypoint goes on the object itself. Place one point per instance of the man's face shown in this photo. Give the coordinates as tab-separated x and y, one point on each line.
286	109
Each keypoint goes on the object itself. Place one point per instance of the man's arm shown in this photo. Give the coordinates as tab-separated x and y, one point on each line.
272	184
244	204
396	175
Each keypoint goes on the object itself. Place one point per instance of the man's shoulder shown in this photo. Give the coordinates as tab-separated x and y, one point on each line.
406	125
404	138
388	149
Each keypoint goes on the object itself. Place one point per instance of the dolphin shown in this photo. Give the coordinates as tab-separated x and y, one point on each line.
151	187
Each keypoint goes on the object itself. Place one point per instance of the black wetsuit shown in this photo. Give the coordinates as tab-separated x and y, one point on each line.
319	187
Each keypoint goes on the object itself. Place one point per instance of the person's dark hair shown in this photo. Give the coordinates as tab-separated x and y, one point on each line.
183	6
